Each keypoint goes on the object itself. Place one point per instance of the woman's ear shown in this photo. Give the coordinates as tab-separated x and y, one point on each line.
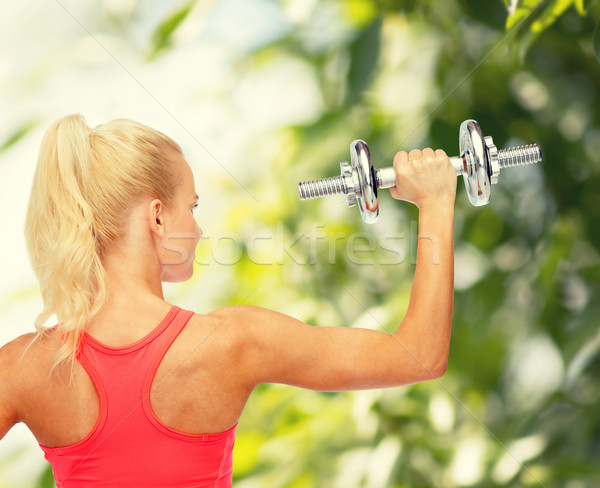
156	218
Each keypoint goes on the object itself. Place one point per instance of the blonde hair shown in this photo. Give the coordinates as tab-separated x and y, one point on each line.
84	185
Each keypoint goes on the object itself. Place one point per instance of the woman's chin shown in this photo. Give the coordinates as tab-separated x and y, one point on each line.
178	276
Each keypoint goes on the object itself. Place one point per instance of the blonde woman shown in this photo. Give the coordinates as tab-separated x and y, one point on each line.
128	390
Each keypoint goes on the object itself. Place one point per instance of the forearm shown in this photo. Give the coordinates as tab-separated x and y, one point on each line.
425	330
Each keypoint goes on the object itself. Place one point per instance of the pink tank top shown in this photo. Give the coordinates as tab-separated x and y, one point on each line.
129	446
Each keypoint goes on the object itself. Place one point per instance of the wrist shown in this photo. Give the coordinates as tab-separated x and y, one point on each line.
437	208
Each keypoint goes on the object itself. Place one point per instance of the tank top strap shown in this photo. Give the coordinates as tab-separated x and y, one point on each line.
161	344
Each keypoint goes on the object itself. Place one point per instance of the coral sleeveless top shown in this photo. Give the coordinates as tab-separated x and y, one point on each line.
129	446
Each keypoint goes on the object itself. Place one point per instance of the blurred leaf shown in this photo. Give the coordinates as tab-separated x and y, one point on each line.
361	12
532	17
401	5
537	15
596	41
492	14
46	480
364	55
161	38
18	134
549	15
524	9
246	456
582	6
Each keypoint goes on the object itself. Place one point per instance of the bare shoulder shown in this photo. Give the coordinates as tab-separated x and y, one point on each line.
235	313
234	319
238	326
24	353
214	341
18	358
219	329
13	352
248	315
31	342
245	332
244	321
226	323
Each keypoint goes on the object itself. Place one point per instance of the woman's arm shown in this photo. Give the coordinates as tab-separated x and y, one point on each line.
8	413
279	349
6	422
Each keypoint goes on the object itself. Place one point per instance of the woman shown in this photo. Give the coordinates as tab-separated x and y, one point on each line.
129	390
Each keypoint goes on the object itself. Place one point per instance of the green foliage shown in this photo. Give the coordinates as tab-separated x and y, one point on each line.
46	479
532	17
364	54
162	36
17	135
596	41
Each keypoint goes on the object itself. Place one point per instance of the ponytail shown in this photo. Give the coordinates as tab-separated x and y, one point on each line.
83	187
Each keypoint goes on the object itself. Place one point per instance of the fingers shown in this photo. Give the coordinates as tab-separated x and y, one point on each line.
415	154
427	154
400	158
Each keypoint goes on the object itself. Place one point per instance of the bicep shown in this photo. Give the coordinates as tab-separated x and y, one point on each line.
286	350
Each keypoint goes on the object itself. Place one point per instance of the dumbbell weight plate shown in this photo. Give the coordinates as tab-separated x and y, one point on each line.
477	171
366	197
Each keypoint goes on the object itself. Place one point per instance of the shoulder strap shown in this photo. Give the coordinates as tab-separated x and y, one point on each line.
161	345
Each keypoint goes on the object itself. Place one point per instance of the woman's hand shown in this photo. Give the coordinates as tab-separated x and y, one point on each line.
425	178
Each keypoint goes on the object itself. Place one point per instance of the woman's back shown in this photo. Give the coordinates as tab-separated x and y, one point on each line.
195	389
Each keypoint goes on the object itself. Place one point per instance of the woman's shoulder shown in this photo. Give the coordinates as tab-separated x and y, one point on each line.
28	351
20	361
233	321
21	344
224	329
236	315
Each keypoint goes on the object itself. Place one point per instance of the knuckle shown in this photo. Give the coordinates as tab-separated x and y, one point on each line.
415	153
400	157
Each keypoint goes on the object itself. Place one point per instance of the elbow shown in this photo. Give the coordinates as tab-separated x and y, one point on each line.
435	369
437	363
439	370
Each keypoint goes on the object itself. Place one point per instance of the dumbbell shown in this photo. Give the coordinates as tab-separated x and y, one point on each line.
479	162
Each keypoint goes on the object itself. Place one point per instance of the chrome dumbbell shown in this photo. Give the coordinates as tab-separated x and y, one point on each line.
479	162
